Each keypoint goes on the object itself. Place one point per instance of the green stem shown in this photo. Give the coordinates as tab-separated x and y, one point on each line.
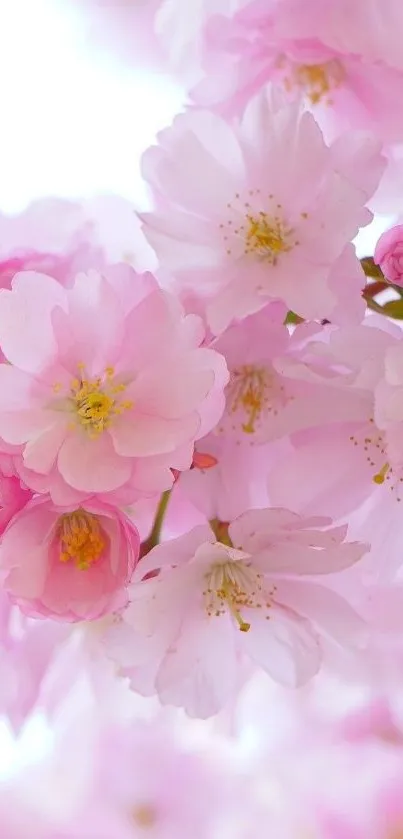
220	530
155	535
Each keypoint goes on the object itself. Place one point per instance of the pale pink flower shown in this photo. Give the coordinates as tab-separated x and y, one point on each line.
156	785
185	631
389	254
280	384
239	232
265	42
332	469
111	391
68	564
51	236
59	237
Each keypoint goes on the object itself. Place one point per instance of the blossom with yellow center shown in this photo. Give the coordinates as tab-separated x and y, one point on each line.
254	392
81	539
267	237
316	80
234	585
96	401
262	234
248	392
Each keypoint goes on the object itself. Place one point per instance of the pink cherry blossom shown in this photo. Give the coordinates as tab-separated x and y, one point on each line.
112	391
267	42
389	254
280	385
58	237
355	456
154	784
51	236
239	233
185	631
68	564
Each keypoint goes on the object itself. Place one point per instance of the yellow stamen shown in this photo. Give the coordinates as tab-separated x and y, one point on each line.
233	586
317	80
248	391
81	539
97	401
267	237
379	478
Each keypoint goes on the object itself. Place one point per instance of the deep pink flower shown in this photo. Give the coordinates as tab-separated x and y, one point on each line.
180	634
239	233
107	384
389	254
13	497
69	564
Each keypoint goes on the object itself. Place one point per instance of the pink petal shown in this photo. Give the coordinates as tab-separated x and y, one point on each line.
140	435
327	475
285	646
292	558
41	452
332	614
176	387
32	299
91	332
199	670
92	465
174	551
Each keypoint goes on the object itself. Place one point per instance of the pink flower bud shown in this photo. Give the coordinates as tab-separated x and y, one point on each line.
389	254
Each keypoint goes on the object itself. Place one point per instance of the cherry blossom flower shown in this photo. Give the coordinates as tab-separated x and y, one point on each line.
153	783
240	233
185	630
281	43
354	455
68	564
281	384
112	391
61	238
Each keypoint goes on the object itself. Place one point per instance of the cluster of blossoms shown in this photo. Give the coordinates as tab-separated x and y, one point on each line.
201	437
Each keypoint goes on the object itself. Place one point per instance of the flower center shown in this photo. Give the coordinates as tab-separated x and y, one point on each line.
251	231
144	815
232	586
252	392
81	539
316	80
96	401
247	393
267	237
